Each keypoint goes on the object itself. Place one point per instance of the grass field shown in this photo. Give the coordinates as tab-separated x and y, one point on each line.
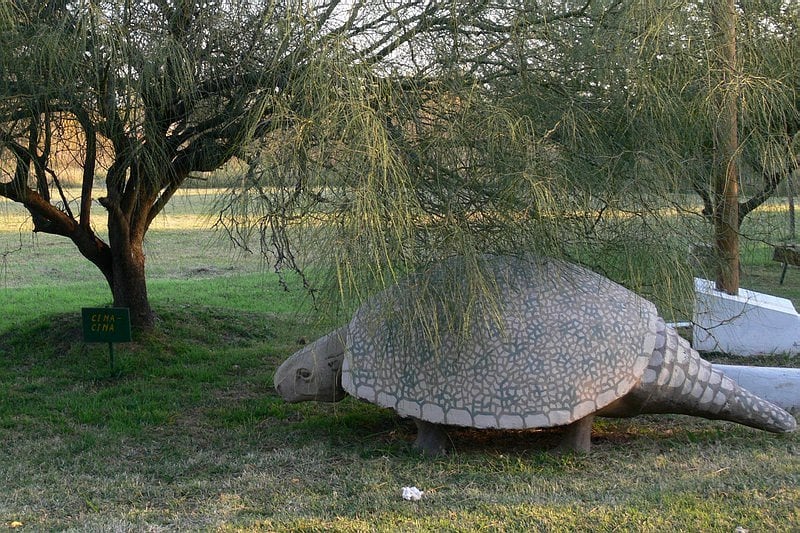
188	435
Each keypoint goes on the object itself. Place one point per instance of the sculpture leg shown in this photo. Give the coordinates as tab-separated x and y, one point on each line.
578	436
431	438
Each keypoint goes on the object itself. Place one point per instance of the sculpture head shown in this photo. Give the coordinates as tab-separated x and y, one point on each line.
315	372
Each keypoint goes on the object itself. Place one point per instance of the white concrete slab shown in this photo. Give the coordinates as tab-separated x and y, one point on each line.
749	323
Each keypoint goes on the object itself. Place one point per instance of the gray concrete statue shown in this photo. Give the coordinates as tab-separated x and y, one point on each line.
563	345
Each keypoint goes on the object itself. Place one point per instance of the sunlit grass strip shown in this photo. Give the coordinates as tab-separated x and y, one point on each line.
18	222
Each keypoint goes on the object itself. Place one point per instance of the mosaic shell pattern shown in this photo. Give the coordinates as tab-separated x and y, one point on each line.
569	342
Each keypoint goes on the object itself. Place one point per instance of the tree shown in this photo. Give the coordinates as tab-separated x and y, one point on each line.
482	136
717	108
149	93
655	90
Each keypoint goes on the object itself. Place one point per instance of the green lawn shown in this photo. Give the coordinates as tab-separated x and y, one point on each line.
188	435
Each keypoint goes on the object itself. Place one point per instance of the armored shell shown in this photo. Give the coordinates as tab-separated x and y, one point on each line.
557	343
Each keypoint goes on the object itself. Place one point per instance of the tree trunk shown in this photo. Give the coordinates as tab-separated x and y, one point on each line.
790	195
124	265
726	169
129	286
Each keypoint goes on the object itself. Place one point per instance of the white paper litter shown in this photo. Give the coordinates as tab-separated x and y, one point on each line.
412	494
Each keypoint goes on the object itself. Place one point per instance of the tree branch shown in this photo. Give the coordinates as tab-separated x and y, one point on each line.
89	166
769	184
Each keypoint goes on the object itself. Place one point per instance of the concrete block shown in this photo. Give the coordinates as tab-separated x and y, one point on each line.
749	323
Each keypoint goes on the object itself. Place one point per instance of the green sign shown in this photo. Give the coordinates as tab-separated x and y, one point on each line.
106	324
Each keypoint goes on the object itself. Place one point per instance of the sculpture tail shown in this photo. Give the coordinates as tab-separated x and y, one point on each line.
679	381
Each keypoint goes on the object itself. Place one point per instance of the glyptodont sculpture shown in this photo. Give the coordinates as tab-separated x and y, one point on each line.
557	346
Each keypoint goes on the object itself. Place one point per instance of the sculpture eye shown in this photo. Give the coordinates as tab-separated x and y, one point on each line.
304	374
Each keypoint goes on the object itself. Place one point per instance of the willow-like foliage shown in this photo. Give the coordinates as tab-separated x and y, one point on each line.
678	87
643	92
501	133
571	129
388	177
